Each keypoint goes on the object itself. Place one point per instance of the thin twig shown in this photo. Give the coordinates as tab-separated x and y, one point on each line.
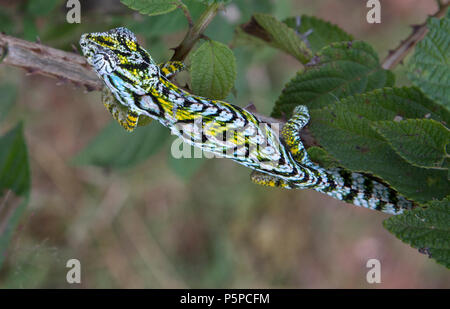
186	13
195	32
396	55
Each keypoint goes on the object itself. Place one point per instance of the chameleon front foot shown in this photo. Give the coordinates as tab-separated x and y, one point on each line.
124	115
291	133
171	68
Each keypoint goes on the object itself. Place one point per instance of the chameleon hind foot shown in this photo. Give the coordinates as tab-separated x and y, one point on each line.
291	133
264	179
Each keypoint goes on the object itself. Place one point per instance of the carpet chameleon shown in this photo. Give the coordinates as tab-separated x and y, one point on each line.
139	90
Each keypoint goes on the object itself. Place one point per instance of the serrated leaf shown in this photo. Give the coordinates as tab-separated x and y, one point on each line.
339	70
8	94
421	142
14	184
429	68
113	147
322	157
268	29
151	7
425	229
318	33
154	27
345	130
213	70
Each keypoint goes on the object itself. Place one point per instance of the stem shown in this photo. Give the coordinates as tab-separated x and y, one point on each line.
40	59
398	54
195	32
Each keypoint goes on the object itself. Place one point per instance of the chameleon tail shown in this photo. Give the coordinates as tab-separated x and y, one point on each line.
363	190
359	189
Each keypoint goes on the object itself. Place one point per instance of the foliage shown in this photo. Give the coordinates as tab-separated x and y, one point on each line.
429	68
316	32
213	70
267	29
425	229
345	130
151	7
339	70
360	119
421	142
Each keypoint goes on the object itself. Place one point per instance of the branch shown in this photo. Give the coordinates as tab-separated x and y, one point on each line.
41	59
195	32
396	55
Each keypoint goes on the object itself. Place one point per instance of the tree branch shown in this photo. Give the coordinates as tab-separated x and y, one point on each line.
396	55
195	32
40	59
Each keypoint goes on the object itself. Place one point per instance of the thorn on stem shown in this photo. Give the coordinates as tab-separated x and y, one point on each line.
75	49
251	108
89	88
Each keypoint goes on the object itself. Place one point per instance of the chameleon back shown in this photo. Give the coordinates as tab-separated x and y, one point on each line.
140	88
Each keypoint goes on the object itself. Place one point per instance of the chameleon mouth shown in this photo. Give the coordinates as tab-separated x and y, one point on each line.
91	49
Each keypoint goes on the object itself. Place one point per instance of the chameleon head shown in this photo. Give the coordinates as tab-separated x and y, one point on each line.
118	59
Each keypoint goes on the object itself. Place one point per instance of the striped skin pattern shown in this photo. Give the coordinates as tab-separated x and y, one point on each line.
138	90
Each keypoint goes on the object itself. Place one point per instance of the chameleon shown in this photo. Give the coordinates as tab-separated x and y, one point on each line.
138	90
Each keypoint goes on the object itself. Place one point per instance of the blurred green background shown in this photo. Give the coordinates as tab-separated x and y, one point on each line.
198	223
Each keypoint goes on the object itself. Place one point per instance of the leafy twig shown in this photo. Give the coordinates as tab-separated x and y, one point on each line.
195	32
396	55
186	13
40	59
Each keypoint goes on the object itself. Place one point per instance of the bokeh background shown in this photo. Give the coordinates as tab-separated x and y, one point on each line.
196	223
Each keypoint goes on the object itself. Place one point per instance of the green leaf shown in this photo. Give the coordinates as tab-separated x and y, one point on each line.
339	70
266	28
151	7
345	130
154	27
429	68
8	95
41	7
421	142
425	229
213	70
114	147
321	33
322	157
14	184
209	2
